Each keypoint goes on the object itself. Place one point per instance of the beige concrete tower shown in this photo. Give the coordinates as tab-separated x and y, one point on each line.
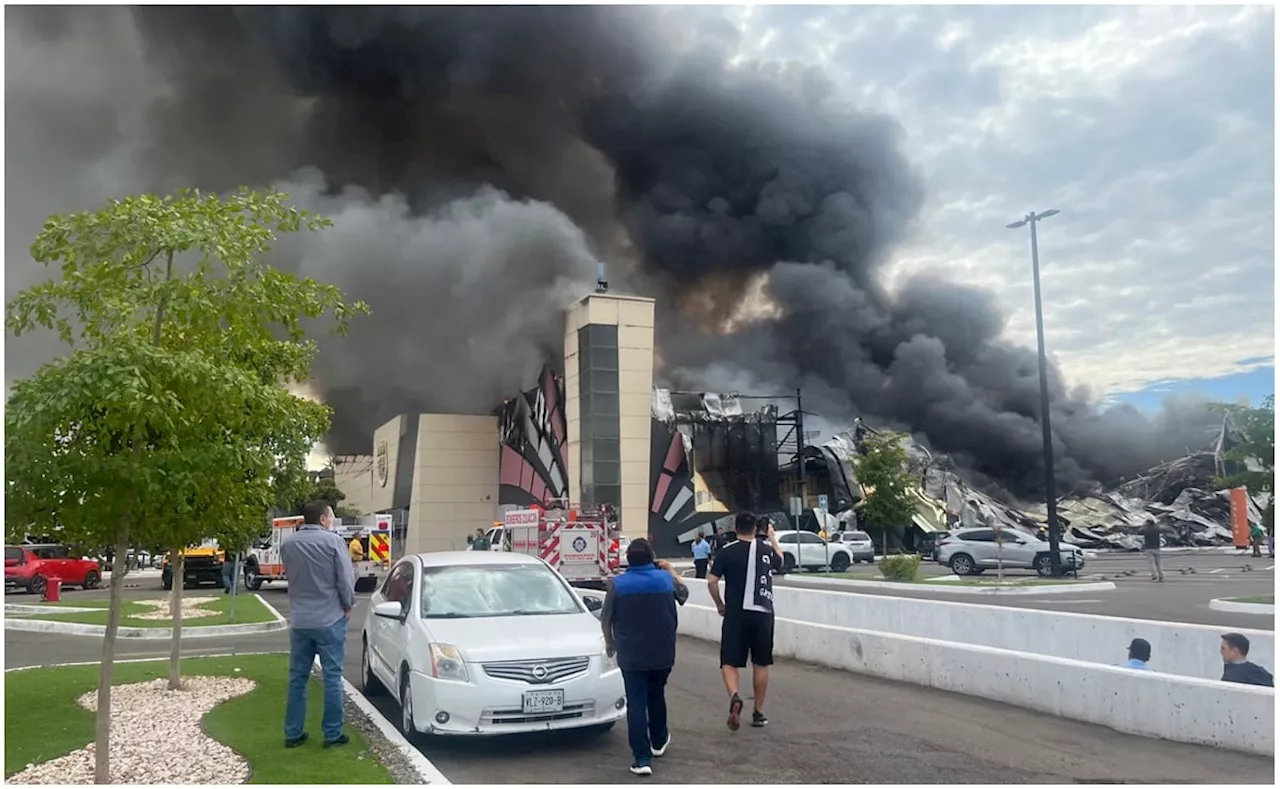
608	364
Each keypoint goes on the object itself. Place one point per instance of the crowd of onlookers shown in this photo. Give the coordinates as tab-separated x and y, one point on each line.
1236	666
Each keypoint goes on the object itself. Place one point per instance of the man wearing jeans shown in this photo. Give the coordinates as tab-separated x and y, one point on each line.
639	623
1151	546
321	596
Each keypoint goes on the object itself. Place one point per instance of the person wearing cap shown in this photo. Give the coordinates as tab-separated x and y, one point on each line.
1139	654
639	622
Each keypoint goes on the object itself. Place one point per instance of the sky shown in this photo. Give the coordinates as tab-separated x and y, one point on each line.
1150	128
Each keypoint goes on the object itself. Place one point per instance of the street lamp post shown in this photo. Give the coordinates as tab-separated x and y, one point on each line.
1051	503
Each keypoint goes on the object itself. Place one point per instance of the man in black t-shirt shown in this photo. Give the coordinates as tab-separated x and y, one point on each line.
746	566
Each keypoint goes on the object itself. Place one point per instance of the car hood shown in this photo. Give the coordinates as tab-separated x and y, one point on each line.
488	639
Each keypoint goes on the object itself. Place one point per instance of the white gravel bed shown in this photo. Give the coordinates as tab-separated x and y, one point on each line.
156	737
191	608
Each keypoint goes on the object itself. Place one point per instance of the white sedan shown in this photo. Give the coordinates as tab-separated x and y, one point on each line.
473	642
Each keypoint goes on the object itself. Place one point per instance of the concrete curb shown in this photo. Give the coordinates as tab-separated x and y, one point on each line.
941	589
1234	607
148	633
427	772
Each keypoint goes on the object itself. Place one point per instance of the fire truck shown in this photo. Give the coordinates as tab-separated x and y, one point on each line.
581	542
263	564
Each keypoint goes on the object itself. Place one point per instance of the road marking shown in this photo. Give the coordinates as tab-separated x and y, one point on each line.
1217	570
1071	601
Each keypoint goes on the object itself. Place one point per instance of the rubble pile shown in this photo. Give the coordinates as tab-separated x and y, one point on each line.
1178	495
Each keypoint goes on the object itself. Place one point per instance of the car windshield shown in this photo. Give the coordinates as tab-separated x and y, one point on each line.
494	590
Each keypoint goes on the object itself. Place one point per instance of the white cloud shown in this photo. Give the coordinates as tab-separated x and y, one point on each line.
1150	127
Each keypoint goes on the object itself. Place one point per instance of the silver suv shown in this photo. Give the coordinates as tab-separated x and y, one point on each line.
859	545
970	551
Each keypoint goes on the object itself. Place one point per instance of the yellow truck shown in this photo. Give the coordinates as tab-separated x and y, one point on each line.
201	564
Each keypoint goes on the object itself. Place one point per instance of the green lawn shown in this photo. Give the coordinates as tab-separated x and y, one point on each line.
986	582
249	610
1262	599
42	720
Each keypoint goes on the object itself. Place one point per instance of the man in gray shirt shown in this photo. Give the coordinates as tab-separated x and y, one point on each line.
321	596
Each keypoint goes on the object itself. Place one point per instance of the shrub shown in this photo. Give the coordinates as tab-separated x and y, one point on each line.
900	568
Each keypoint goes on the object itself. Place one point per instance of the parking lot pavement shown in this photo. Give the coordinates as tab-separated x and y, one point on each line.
1191	581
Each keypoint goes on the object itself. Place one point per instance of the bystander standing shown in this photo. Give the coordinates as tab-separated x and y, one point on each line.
321	596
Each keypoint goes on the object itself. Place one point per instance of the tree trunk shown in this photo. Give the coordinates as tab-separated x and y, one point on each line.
175	610
106	670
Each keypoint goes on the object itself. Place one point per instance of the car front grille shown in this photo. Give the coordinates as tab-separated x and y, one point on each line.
538	672
585	709
199	562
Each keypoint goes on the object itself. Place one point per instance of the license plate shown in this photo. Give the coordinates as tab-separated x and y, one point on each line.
540	701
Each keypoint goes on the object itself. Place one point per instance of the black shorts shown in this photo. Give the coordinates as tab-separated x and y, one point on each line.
743	634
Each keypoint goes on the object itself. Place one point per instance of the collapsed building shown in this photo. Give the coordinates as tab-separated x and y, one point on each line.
1178	495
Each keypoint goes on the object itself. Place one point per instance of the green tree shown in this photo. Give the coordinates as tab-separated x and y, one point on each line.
168	422
885	476
321	487
1254	457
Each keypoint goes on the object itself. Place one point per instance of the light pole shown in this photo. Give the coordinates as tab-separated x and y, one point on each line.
1051	496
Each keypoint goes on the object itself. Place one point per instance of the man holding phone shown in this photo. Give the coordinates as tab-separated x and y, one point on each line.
747	567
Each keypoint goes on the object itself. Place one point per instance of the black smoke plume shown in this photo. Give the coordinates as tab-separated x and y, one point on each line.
479	161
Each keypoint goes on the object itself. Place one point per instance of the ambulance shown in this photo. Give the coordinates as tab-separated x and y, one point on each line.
263	565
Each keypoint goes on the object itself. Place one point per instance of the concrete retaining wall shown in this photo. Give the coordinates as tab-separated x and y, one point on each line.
1181	709
1176	648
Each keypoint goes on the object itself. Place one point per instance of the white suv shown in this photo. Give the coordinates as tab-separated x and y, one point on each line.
970	551
808	551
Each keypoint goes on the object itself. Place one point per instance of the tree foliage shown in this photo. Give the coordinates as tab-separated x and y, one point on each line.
883	472
321	487
168	423
1254	457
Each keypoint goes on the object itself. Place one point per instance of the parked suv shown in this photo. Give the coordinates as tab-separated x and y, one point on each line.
31	566
808	551
970	551
861	548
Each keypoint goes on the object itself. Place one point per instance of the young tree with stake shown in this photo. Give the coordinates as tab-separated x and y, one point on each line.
170	413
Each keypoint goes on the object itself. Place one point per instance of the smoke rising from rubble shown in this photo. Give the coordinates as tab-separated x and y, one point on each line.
477	161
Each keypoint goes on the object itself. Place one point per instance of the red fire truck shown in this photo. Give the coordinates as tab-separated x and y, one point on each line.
581	542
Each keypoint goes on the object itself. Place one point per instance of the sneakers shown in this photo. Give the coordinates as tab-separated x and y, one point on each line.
296	741
758	719
342	740
659	751
641	769
735	712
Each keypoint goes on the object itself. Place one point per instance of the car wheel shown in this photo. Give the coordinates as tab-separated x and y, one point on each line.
1044	566
788	563
91	580
252	581
406	707
37	585
371	685
839	563
962	564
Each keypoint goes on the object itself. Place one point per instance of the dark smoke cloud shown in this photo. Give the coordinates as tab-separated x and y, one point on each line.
478	161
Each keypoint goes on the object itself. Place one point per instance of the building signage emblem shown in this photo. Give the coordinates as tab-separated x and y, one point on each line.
382	461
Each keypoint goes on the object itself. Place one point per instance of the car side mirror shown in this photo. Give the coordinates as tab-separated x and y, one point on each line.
592	603
390	610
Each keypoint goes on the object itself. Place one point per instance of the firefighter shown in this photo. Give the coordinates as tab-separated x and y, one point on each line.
357	549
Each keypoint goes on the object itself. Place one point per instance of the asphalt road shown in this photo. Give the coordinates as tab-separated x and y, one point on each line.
826	726
1191	581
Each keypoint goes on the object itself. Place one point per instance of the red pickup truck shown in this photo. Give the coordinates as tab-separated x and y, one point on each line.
31	566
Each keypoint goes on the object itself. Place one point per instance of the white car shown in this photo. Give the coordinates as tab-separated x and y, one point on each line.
474	642
808	551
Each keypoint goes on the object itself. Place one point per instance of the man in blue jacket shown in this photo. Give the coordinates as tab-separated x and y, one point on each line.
639	624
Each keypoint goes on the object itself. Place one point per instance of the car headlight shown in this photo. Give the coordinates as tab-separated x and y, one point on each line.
608	662
447	663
